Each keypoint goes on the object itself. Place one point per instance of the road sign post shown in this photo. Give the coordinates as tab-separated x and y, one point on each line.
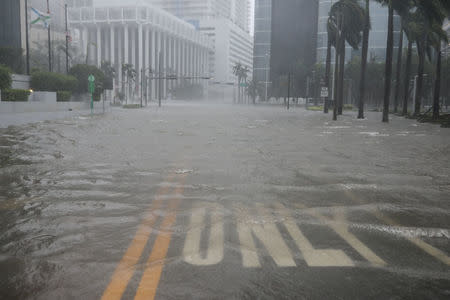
91	88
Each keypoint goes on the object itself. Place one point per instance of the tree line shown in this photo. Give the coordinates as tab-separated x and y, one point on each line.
422	25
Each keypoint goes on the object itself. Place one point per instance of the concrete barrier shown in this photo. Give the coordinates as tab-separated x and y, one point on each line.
20	82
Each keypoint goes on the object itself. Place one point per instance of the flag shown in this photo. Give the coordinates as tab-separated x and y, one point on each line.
40	17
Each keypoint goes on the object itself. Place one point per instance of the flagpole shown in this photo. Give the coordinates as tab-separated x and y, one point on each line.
49	42
27	39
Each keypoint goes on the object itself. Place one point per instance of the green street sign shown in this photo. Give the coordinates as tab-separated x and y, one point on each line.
243	84
91	80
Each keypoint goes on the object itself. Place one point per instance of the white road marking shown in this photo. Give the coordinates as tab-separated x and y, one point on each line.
214	253
269	235
341	228
313	257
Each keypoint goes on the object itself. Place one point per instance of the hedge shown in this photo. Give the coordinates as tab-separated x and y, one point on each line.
63	96
11	95
53	82
5	77
82	72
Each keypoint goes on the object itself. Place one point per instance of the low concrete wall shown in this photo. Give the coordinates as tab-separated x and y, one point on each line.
21	82
28	107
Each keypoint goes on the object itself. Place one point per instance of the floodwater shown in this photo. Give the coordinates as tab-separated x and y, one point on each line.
195	201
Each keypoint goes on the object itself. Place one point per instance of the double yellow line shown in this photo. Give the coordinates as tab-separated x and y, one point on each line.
155	263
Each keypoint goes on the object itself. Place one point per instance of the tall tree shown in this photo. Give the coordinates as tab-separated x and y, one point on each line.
400	6
408	29
346	22
365	48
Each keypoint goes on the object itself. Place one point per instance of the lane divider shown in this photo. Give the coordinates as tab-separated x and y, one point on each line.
127	266
155	264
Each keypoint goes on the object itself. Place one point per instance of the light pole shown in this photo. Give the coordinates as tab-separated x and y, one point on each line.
267	73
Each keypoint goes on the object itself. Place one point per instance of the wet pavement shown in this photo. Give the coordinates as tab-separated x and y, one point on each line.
197	201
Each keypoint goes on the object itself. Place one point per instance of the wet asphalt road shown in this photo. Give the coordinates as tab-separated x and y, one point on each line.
197	201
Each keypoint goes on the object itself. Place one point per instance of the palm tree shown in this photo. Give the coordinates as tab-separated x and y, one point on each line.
346	21
252	90
129	73
438	35
327	76
408	27
237	71
429	17
365	47
400	6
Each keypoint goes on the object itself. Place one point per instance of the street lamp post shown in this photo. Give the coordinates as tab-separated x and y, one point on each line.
267	74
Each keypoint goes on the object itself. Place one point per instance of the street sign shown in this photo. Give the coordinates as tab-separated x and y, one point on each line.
324	92
91	87
244	84
91	80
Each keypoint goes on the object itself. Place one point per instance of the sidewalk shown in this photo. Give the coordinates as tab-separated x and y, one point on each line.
17	119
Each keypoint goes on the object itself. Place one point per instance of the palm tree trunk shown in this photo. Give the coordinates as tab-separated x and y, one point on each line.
419	86
336	82
437	85
341	77
327	76
399	71
365	49
407	75
388	70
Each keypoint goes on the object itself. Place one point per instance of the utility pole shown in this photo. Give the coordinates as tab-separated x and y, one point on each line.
142	84
289	90
27	38
67	40
49	41
160	80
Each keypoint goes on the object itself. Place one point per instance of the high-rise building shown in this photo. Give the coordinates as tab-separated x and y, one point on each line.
12	24
377	36
262	41
147	37
226	22
285	37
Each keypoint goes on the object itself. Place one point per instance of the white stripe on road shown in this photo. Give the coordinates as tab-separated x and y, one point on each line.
341	228
214	253
313	257
268	234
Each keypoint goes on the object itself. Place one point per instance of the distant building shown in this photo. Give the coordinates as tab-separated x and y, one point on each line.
377	36
226	22
285	37
262	41
143	35
12	24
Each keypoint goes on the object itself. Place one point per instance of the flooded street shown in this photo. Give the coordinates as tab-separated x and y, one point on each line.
195	201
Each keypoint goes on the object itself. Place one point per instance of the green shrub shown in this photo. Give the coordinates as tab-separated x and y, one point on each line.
5	77
82	72
11	95
63	96
53	82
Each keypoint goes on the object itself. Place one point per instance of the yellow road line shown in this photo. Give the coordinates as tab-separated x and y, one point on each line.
436	253
126	267
155	264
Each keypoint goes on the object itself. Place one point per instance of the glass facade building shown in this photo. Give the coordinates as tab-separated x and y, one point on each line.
377	37
262	40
